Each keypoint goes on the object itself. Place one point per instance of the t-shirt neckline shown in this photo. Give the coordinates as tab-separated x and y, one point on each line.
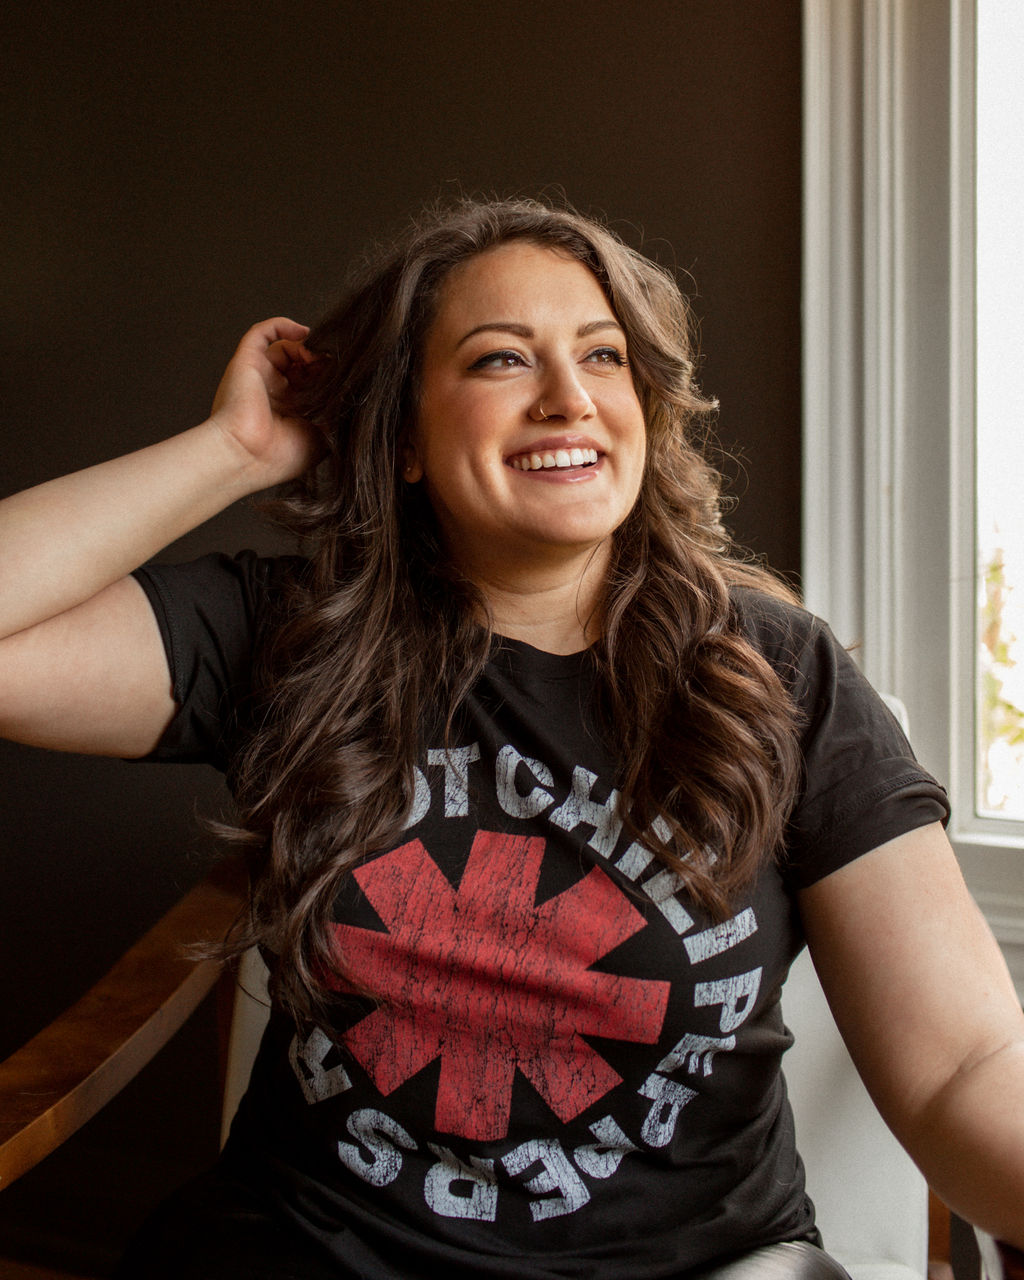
512	654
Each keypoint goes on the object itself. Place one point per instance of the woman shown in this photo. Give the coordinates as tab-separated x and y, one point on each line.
542	790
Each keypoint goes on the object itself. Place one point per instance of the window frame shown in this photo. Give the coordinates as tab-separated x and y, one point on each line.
889	392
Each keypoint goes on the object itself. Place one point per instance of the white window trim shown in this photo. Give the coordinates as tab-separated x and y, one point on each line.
888	540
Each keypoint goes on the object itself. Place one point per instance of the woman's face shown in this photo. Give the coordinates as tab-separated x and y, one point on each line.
529	436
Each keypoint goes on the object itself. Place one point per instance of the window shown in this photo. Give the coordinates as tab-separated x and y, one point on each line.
999	365
891	380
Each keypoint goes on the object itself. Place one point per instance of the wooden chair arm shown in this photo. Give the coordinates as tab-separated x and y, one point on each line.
60	1079
989	1259
1012	1261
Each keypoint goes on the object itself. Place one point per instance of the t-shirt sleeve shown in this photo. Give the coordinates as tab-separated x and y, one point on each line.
211	613
861	783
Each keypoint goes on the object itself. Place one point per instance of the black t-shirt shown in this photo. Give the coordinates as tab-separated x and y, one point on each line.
568	1069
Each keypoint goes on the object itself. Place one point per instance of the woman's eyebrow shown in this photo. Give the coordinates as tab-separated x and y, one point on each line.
524	330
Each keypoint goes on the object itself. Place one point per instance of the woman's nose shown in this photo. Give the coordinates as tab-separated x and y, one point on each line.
563	396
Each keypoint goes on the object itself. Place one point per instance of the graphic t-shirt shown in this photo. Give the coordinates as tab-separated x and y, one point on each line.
557	1065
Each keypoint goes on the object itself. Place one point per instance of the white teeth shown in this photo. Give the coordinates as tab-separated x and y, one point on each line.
559	459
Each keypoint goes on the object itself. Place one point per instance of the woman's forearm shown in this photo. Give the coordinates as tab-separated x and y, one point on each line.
67	539
969	1142
921	994
82	663
64	541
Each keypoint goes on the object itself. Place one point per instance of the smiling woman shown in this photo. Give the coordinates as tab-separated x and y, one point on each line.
540	786
532	454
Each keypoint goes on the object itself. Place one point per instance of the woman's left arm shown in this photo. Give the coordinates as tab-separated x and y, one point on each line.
926	1006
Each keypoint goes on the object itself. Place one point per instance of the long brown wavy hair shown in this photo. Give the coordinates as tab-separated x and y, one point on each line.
380	641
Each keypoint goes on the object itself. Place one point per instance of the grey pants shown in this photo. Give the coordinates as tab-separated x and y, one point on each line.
795	1260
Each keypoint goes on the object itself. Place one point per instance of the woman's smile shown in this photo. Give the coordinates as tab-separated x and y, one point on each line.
563	456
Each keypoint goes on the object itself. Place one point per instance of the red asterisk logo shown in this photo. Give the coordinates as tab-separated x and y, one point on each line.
491	983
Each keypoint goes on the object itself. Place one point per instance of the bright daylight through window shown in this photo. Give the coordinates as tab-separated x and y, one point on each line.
1000	409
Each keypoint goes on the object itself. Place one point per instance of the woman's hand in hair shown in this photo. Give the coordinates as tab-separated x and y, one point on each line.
254	404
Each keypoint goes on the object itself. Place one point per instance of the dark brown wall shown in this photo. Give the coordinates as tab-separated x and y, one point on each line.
175	172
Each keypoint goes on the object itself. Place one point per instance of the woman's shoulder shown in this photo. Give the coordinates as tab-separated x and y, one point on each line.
797	644
246	574
220	603
774	623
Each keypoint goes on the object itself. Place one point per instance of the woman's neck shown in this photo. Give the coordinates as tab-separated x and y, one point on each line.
551	607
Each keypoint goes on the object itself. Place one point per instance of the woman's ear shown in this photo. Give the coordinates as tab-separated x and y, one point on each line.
412	468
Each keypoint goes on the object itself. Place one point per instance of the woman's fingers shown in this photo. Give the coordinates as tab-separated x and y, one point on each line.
278	340
286	352
269	350
276	329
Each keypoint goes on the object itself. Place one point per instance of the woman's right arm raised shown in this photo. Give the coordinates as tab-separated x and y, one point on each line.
82	666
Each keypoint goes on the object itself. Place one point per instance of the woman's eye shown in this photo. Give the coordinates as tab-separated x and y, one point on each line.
607	355
498	360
